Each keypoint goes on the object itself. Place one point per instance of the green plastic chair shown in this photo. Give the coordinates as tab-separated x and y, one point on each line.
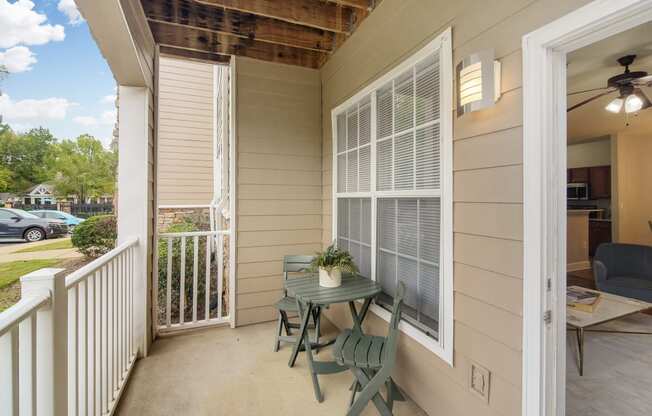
288	305
371	359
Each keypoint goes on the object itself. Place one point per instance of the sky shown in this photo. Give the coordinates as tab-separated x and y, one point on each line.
57	77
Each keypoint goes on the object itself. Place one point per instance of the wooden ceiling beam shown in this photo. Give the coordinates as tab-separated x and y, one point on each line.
229	22
313	13
193	39
195	55
358	4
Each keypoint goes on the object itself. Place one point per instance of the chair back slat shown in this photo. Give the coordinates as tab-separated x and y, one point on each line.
391	344
296	264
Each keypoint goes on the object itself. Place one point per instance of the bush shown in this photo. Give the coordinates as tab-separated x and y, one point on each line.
186	226
96	236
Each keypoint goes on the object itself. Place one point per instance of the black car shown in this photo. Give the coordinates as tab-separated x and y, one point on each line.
16	223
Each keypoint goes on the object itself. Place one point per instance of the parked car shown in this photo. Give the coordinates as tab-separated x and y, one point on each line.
70	219
17	224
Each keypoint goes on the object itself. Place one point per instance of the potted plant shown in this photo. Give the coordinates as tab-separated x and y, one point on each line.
330	263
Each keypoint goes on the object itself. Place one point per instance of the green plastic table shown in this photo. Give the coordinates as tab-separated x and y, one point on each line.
310	295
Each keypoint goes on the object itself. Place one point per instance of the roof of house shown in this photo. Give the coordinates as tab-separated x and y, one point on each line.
45	186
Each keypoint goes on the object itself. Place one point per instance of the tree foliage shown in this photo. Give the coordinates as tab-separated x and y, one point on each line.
27	156
84	168
81	167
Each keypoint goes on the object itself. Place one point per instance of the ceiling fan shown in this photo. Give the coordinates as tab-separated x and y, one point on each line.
626	85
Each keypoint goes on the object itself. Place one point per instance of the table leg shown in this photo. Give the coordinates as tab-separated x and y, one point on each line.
580	348
358	317
303	330
308	347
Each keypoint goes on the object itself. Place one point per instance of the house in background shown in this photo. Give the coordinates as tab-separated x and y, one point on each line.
7	198
41	194
331	121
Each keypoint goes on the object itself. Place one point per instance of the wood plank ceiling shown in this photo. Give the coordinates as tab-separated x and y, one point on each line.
295	32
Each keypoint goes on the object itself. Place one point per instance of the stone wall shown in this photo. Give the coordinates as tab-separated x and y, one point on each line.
171	216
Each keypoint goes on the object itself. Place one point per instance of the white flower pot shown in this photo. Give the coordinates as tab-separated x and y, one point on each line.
330	279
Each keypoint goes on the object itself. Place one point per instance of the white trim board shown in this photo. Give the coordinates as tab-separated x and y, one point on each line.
544	184
443	346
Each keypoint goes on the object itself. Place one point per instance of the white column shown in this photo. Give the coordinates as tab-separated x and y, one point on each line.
52	341
134	196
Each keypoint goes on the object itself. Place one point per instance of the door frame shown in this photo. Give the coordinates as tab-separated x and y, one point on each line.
544	191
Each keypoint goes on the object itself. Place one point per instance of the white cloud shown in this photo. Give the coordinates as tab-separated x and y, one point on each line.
108	99
69	8
31	110
17	59
85	120
19	23
109	117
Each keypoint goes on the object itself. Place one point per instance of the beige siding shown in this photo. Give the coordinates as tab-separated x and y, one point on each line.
146	50
488	191
185	151
279	179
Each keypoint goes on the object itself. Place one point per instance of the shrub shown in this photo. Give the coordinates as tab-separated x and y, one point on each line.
95	236
175	278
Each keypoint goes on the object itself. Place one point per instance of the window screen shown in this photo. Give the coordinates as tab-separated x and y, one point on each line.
388	152
408	252
354	231
354	148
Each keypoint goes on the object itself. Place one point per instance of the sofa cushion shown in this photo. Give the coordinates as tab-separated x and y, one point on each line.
630	287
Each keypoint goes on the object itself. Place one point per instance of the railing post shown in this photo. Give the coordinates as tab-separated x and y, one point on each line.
52	341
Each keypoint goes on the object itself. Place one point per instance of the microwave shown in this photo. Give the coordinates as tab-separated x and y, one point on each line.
577	191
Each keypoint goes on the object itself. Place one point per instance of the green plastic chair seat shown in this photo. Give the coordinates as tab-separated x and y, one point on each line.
288	304
353	349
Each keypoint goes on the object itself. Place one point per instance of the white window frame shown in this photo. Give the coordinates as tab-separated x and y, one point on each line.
443	345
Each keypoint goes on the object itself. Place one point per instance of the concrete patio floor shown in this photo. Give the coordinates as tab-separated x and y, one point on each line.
224	371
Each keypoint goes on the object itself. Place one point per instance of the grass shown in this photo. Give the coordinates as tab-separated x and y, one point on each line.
57	245
13	270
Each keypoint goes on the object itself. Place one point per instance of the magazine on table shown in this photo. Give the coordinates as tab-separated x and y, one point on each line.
582	299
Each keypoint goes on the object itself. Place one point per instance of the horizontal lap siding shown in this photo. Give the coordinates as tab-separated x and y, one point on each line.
488	191
279	179
185	147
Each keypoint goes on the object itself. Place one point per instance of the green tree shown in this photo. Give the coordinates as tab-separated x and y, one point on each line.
84	168
27	156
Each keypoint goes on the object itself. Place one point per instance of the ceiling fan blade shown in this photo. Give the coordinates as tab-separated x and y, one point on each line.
584	91
645	81
588	100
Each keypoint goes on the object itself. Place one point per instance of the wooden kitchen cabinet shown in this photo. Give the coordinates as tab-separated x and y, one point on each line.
578	175
599	232
600	182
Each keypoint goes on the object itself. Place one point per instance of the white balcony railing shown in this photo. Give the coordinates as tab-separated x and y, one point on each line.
68	346
192	288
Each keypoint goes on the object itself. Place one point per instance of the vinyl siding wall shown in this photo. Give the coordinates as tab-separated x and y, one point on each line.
279	194
488	192
146	49
186	123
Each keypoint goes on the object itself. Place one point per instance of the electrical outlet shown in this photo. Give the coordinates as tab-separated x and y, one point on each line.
479	380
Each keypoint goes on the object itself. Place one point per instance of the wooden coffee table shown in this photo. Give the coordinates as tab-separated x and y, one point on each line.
610	307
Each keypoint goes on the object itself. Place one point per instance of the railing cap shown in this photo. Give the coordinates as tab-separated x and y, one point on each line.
41	274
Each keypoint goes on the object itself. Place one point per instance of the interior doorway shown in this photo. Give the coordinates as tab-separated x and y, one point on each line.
545	59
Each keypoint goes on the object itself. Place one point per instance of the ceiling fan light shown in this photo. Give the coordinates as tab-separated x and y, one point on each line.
633	103
615	105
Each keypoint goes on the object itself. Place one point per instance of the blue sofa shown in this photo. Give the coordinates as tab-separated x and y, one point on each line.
624	269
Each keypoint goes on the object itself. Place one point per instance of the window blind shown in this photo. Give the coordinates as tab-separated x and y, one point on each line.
354	231
354	148
406	201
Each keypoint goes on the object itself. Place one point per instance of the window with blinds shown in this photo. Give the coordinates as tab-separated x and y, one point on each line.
354	148
393	196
